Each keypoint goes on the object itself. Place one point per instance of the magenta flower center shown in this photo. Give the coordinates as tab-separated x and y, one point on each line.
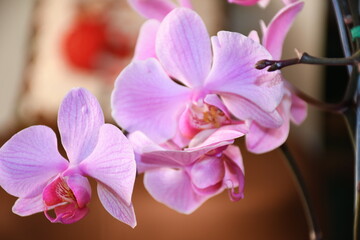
58	196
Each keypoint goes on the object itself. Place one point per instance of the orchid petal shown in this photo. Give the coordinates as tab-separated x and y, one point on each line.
81	188
28	206
157	9
183	47
116	206
298	109
261	139
174	189
146	99
80	117
245	110
185	3
213	99
112	162
207	172
29	160
234	175
224	133
179	158
233	71
145	45
278	28
254	36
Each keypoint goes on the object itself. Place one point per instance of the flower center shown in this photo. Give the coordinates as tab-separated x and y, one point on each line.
205	116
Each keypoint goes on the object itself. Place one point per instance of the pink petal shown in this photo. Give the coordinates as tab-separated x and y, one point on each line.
261	139
245	110
183	47
116	206
225	133
152	8
235	175
179	158
207	172
28	206
213	99
174	189
112	162
79	119
185	3
244	2
68	214
233	71
145	45
145	99
254	36
298	109
278	28
81	188
29	160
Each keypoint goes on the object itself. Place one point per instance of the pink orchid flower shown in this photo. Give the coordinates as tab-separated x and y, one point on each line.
157	9
262	3
32	169
184	179
209	88
262	139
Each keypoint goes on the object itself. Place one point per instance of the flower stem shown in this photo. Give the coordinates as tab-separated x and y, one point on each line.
307	59
314	229
338	108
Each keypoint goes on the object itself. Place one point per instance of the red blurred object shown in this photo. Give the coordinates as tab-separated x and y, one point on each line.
88	40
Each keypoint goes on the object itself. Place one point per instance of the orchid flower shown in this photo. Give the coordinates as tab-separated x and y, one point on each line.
262	139
184	179
32	169
157	9
208	90
262	3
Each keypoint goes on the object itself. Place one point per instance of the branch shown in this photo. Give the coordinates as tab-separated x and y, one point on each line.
307	59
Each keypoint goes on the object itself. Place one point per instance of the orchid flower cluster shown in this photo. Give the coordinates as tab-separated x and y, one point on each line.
184	99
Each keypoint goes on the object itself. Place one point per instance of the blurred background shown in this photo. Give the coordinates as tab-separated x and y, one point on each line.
48	47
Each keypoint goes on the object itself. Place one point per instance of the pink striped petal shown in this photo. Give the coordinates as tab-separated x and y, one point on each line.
174	189
146	99
207	172
145	45
261	139
245	110
112	162
152	8
274	36
116	206
29	160
28	206
226	133
233	71
183	47
79	119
